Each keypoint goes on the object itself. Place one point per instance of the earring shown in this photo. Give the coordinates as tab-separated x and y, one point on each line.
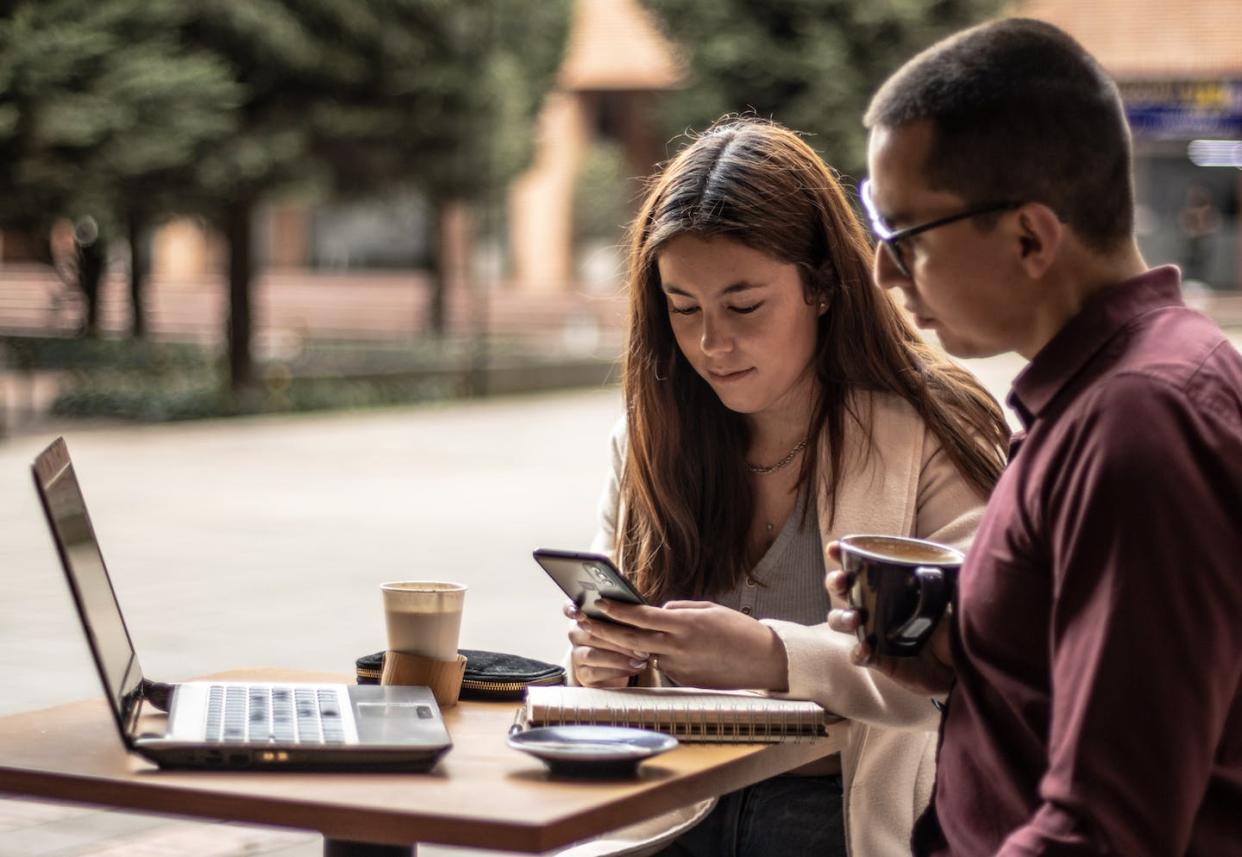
665	376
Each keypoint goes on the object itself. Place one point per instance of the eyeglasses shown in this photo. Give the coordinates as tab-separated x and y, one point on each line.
891	239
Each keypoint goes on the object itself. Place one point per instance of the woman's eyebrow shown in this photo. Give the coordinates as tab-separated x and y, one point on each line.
740	286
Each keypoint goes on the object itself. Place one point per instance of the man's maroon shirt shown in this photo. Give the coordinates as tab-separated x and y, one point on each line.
1098	646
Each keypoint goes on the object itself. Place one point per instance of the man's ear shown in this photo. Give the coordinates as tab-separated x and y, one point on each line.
1040	235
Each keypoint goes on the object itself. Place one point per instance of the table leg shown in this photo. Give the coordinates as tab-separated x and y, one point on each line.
347	848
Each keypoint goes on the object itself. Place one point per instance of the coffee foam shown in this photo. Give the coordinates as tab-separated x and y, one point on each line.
902	550
423	618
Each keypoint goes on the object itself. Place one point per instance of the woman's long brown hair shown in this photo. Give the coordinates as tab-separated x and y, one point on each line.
685	486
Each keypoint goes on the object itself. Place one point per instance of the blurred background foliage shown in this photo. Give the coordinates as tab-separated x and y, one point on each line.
128	111
809	64
601	193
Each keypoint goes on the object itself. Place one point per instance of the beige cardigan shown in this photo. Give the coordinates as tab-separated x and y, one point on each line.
907	486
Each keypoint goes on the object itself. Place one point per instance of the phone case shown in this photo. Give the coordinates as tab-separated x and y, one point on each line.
587	577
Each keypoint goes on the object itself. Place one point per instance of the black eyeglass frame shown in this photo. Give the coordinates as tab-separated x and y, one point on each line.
890	238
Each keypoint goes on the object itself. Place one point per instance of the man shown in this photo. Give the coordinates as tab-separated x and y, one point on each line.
1096	650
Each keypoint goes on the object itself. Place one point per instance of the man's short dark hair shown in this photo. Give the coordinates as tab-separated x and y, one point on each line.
1020	111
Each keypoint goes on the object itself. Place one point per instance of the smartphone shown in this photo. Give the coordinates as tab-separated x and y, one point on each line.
586	578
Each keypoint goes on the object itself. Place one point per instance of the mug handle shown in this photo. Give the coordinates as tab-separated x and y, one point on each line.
933	596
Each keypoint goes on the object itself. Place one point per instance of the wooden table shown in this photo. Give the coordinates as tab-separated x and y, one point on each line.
481	795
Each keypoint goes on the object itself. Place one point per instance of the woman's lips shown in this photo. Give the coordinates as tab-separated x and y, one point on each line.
729	377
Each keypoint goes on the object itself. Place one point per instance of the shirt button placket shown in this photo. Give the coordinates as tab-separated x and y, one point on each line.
748	597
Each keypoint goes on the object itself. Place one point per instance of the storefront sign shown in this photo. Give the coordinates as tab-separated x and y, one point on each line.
1183	110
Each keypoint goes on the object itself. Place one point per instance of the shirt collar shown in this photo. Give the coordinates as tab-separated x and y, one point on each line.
1101	317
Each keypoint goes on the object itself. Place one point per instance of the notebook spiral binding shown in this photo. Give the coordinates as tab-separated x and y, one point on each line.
739	722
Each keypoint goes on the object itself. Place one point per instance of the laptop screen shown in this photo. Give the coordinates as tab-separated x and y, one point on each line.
88	578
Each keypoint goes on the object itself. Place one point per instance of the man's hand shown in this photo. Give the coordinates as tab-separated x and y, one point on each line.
930	672
697	643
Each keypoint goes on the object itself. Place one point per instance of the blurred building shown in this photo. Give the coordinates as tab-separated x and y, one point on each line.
1179	67
615	65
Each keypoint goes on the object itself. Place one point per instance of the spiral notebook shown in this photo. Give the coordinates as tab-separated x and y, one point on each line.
689	714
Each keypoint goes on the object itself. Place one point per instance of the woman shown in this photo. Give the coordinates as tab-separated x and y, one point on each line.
776	400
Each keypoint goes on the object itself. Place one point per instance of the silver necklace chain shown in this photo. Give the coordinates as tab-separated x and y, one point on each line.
784	462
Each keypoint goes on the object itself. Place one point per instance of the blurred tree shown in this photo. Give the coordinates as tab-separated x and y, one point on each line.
810	64
104	119
127	109
505	55
353	96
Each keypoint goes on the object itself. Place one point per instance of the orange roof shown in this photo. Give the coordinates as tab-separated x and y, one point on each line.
617	44
1136	39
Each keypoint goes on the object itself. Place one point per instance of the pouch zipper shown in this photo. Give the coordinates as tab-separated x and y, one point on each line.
484	686
509	686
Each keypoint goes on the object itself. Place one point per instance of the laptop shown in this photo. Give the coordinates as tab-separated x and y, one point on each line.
228	725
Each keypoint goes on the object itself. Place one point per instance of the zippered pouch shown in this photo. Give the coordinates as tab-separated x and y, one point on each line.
489	675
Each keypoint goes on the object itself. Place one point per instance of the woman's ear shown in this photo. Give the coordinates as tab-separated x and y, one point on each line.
1040	234
825	281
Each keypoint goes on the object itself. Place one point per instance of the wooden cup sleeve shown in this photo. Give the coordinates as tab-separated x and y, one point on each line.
442	677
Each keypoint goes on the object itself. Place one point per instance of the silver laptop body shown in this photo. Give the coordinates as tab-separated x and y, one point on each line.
228	724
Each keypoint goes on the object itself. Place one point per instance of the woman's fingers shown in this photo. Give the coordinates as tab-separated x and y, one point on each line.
604	659
639	616
586	633
603	678
626	638
601	635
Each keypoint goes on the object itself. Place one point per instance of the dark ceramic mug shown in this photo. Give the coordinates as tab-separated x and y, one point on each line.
900	588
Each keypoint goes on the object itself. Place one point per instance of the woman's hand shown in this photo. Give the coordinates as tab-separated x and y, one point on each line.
930	672
596	662
697	643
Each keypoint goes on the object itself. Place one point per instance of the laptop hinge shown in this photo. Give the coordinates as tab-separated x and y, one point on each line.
132	706
158	693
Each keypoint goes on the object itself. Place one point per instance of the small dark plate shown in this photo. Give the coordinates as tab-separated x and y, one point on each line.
592	751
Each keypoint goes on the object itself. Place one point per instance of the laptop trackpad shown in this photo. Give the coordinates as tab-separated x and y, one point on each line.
397	715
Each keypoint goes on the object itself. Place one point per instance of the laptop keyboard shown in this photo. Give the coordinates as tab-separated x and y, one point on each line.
277	715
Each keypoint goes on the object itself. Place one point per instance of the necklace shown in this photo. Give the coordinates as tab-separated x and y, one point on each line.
772	468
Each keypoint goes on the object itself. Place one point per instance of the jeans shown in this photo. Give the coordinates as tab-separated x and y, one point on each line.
780	817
